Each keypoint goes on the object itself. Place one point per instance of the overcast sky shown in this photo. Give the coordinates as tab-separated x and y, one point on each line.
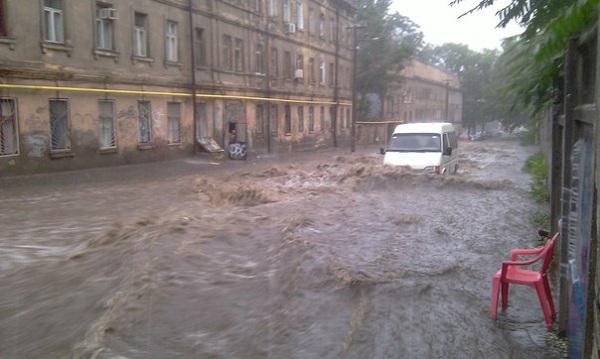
440	24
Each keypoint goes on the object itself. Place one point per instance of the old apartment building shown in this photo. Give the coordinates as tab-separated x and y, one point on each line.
92	83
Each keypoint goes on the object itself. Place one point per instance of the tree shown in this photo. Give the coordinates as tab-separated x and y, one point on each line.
384	43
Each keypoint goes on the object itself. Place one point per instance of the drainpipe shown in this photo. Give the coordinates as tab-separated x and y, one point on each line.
266	54
195	148
336	95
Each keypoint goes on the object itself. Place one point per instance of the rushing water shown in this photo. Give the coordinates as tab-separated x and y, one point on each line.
327	255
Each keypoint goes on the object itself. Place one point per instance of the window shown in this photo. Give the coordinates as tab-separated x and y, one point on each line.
300	62
322	73
260	118
287	65
59	125
140	35
273	7
9	139
322	118
332	118
3	19
258	59
300	14
201	120
171	41
322	26
331	78
144	123
288	119
107	124
256	5
53	21
311	119
226	60
348	117
311	21
200	48
287	11
331	30
274	62
174	122
341	118
104	28
300	119
311	70
273	120
239	55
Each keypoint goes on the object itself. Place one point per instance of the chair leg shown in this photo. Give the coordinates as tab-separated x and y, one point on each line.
541	291
504	286
549	297
495	293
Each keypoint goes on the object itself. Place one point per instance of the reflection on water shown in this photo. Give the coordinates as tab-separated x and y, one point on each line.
330	255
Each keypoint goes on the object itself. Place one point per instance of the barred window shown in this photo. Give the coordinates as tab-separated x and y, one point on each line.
107	124
144	122
9	139
59	125
174	122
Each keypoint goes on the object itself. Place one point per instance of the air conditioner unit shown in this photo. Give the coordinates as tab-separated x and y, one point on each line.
109	13
290	28
299	74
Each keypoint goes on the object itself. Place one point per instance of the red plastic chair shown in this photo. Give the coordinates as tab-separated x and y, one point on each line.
515	272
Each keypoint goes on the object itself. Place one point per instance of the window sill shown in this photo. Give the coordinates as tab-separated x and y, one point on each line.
106	53
8	41
62	154
145	146
175	144
179	65
56	47
108	150
147	60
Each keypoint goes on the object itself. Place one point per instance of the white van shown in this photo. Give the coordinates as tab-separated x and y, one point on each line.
431	147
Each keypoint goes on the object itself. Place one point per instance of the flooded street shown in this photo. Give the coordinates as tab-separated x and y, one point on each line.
326	255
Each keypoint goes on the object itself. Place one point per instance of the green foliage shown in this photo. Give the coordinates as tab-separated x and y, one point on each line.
537	167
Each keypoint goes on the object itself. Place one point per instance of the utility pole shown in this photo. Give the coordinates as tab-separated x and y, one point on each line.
447	98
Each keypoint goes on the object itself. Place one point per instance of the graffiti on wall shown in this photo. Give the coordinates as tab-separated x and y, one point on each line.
237	151
37	145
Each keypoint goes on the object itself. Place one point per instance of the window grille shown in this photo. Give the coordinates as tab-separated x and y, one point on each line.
9	140
174	122
300	119
260	118
107	124
288	119
311	119
144	122
59	125
273	120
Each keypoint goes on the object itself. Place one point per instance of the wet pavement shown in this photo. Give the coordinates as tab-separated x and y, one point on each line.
304	255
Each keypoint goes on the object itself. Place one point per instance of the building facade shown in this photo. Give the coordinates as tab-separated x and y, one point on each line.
98	83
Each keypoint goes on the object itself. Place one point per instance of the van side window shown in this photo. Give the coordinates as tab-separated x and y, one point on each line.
446	143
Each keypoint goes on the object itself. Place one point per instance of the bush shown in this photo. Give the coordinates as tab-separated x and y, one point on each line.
536	166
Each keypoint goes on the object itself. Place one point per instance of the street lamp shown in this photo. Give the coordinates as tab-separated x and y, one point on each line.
354	67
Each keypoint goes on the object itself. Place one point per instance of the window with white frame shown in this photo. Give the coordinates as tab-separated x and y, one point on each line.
311	21
274	62
104	28
140	30
3	19
322	26
300	15
59	125
239	55
311	119
227	49
144	123
107	124
172	41
287	65
174	122
300	118
322	118
331	30
274	120
9	139
259	59
287	11
260	118
322	73
273	7
53	21
200	48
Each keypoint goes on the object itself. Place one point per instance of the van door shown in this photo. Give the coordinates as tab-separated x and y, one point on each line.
449	153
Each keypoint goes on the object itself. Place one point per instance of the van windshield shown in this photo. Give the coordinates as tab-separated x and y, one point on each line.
415	142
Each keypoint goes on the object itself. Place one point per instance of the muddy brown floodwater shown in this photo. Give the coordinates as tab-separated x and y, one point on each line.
323	255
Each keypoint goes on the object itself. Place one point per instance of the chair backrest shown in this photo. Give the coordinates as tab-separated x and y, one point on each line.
548	253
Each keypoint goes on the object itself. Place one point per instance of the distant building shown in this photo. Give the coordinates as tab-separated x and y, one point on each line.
101	83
